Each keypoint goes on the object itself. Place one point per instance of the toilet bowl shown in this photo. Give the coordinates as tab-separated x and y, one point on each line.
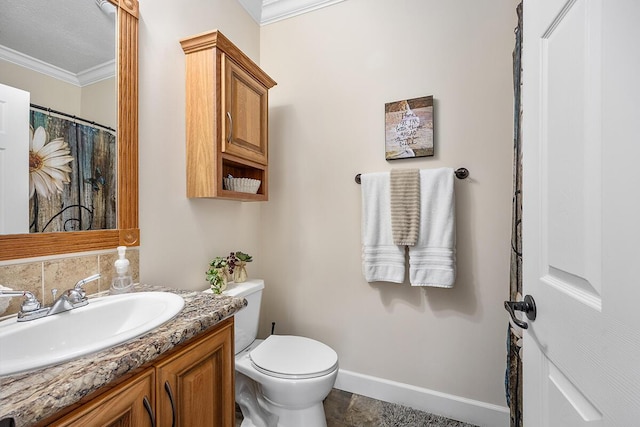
281	380
292	391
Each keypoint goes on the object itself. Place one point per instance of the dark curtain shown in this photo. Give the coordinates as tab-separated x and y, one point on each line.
514	338
88	201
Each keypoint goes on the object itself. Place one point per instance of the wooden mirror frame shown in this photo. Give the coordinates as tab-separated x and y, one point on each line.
16	246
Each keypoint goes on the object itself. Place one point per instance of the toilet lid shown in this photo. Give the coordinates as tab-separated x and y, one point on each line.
293	357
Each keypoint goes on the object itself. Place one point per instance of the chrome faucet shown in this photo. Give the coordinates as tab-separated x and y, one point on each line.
30	302
73	298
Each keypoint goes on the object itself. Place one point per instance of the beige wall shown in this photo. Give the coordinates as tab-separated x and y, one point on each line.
45	91
336	68
98	102
95	102
179	235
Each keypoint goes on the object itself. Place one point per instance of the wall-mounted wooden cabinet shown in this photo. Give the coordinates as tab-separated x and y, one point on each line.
227	117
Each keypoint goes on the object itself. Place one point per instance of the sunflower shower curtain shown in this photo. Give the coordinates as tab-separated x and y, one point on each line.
514	339
72	175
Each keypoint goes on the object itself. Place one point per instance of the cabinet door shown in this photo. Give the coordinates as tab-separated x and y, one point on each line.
130	404
245	105
195	385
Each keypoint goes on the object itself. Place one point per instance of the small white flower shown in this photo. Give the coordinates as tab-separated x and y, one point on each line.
48	164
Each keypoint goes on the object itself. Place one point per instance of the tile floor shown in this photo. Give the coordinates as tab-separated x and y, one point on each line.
344	409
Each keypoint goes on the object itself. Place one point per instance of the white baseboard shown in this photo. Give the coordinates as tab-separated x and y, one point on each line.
447	405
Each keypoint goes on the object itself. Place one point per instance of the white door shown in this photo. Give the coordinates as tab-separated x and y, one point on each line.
581	212
14	160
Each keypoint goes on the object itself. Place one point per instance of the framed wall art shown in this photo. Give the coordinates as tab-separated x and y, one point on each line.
409	128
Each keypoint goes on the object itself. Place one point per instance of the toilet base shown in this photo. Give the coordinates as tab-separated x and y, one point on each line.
260	412
308	417
252	405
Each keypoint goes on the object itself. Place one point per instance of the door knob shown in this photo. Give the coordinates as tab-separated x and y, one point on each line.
528	306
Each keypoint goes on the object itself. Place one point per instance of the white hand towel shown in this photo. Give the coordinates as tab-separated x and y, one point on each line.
382	261
432	261
4	302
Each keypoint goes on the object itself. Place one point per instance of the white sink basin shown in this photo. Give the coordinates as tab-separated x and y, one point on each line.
104	322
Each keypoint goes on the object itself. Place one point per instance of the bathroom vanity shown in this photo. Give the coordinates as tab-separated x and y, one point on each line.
182	372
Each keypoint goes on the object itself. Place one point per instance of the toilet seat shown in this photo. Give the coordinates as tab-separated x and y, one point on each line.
292	357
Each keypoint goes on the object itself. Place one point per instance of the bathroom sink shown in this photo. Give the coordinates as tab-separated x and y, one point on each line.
103	323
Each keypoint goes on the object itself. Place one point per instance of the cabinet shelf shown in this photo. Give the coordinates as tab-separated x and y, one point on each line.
231	165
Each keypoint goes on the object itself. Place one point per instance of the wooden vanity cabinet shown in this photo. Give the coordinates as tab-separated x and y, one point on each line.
128	404
227	117
195	385
192	386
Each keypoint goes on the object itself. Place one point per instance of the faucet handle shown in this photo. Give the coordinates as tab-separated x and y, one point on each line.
78	292
30	303
75	296
78	286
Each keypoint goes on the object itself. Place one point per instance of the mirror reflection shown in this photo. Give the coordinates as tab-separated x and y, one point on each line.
58	93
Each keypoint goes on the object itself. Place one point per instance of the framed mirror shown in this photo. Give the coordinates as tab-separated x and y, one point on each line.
16	246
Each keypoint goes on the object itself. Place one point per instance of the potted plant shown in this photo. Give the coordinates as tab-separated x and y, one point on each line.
217	275
223	269
240	269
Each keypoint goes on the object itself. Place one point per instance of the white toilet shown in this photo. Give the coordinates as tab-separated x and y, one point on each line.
282	380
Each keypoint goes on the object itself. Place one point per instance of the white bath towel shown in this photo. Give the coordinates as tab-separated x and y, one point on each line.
382	261
432	261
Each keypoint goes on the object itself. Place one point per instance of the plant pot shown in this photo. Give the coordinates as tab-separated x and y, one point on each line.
219	280
240	273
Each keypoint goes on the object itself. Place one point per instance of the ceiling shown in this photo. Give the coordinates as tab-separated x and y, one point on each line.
74	40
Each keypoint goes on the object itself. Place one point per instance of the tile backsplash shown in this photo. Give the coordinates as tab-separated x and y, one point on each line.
40	276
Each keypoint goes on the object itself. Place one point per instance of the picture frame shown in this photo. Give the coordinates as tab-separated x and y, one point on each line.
409	128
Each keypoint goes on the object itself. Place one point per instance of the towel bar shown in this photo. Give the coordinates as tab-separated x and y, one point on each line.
461	173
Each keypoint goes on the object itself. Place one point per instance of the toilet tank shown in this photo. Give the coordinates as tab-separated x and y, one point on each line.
246	320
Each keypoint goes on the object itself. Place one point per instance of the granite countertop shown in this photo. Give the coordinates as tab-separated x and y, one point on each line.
32	396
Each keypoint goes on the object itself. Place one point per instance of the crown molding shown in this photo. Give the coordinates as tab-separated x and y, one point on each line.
269	11
277	10
97	73
92	75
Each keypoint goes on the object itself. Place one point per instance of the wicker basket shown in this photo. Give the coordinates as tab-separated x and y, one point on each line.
242	185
